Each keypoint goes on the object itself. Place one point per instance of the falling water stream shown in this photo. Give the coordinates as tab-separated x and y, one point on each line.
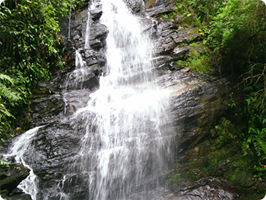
124	151
123	137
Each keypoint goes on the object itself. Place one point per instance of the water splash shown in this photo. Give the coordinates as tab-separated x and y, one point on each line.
19	147
76	78
87	36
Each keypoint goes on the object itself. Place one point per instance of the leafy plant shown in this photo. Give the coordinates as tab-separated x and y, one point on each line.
198	62
4	163
30	47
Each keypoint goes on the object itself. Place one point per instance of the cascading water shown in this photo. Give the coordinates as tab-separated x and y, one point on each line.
128	110
19	147
123	138
123	151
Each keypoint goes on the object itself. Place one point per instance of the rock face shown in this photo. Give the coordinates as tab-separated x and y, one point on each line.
136	6
98	34
11	175
196	105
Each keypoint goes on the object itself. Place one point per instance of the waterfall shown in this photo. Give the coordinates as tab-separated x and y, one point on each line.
124	149
124	139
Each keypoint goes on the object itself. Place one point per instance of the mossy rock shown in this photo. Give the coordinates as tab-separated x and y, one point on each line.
226	164
149	3
11	175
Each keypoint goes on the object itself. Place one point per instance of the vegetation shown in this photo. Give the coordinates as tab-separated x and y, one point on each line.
234	32
198	62
30	47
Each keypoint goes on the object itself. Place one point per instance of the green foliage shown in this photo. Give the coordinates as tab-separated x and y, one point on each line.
235	32
198	62
174	179
225	131
237	22
30	51
4	163
199	12
246	126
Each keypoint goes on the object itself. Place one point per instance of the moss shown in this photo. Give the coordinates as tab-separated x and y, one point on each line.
150	3
203	100
4	193
174	179
233	177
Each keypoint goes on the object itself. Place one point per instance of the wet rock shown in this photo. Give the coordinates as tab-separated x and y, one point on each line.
147	24
52	153
47	107
153	8
98	34
44	89
208	188
163	63
164	42
188	35
19	197
96	12
186	69
91	57
18	194
136	6
82	78
197	107
180	51
11	175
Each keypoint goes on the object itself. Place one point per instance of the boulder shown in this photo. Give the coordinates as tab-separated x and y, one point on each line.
98	34
11	175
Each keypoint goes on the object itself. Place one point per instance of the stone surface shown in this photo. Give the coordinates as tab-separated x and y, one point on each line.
11	175
158	7
98	34
180	51
136	6
19	197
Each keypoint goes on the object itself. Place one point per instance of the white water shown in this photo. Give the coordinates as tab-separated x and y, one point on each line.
124	139
19	147
76	78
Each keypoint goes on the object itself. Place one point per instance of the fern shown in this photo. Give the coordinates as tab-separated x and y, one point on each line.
6	77
260	143
9	94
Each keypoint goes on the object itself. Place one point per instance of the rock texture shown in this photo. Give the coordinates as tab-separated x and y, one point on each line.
10	176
